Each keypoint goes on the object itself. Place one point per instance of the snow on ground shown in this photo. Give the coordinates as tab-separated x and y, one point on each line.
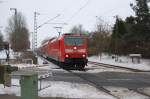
123	61
3	54
21	66
40	61
60	89
73	90
124	93
40	64
13	90
145	90
97	69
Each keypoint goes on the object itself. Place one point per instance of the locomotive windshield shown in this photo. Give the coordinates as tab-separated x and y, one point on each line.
74	41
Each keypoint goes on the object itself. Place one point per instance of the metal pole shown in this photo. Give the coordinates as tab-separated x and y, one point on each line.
36	27
59	29
34	38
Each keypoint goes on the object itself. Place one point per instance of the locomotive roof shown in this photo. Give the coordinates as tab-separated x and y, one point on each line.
51	39
58	38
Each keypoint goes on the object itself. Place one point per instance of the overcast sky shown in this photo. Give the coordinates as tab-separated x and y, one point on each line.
73	12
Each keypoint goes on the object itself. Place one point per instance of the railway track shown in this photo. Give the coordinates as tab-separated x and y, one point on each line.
116	67
92	82
88	77
95	84
142	93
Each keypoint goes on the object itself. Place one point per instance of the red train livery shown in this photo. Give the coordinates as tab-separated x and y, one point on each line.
69	50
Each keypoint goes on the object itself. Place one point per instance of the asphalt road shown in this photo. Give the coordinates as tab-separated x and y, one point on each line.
116	79
62	75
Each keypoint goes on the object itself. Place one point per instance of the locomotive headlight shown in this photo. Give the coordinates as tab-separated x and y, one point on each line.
66	55
68	50
75	48
83	55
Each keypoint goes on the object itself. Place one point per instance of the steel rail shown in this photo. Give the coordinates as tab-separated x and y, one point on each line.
140	92
94	84
115	66
90	82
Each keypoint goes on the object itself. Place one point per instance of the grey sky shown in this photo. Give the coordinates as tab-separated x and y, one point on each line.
105	9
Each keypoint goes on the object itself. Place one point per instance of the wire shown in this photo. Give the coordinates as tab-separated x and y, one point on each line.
109	11
81	8
48	21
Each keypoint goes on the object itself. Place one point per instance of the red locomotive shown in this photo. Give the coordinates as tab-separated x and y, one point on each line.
70	50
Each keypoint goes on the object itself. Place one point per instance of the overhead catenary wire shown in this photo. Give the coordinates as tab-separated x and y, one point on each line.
78	11
48	21
117	8
105	14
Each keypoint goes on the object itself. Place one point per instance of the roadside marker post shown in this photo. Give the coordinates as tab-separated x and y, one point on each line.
29	86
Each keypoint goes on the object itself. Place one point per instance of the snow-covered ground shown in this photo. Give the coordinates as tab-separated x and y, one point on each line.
60	89
73	90
123	93
145	90
3	54
76	90
57	88
123	61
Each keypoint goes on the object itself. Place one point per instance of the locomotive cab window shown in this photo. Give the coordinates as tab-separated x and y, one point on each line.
74	41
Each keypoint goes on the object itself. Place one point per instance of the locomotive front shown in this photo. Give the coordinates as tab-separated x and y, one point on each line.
75	52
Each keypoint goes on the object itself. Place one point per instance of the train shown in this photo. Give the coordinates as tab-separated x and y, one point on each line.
69	50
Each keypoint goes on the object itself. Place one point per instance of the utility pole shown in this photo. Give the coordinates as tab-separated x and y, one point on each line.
34	34
36	27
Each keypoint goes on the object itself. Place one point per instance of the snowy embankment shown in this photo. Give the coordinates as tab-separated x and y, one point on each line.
123	62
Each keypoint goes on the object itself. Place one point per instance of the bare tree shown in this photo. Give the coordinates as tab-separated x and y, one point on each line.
78	29
1	41
101	38
18	33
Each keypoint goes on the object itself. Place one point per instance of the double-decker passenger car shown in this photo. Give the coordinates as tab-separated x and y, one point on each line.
69	49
